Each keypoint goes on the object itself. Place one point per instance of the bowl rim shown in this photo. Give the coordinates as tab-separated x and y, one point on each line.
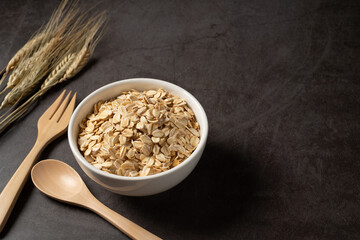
78	156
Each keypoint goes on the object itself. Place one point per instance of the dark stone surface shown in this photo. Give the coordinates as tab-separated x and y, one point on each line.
279	81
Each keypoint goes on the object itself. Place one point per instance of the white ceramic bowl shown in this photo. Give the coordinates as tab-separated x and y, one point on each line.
137	186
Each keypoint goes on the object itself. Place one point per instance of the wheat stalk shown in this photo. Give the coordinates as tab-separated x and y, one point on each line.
14	116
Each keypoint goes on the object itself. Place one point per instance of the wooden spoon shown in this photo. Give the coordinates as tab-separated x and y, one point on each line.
60	181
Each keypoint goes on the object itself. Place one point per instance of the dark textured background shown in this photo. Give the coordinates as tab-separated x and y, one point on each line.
279	81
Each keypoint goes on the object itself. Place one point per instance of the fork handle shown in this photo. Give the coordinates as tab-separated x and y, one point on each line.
12	190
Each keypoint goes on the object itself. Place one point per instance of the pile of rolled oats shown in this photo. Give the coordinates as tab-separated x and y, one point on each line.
139	133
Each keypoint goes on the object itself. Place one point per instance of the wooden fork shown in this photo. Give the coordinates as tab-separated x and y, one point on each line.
51	125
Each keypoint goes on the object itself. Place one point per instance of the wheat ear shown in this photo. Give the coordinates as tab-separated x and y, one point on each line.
58	71
18	74
72	68
30	47
31	80
66	69
14	78
80	61
55	77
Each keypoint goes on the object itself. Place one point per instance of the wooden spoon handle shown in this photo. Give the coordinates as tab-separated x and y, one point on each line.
131	229
12	190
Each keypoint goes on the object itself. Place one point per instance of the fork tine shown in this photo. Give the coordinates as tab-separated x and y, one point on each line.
51	110
68	111
61	108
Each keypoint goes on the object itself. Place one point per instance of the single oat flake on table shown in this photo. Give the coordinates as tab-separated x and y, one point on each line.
139	133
